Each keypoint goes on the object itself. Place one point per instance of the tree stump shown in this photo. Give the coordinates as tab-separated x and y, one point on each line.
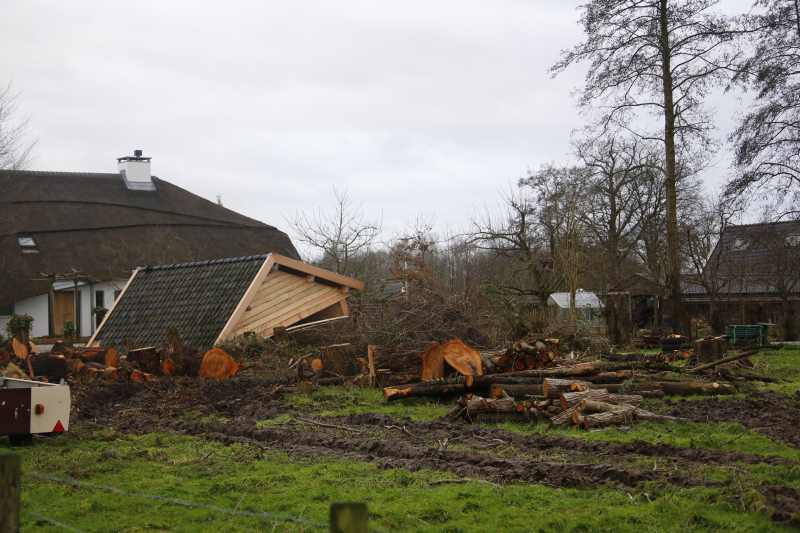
145	359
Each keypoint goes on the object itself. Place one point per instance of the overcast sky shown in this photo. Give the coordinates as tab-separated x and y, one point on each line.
415	106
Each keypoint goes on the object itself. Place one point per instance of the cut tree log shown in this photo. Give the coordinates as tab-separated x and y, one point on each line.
722	361
20	350
404	360
583	369
589	407
569	399
465	360
218	364
563	417
433	362
73	365
632	399
145	359
105	356
517	391
339	360
13	371
478	404
418	390
623	416
52	367
650	385
177	360
553	387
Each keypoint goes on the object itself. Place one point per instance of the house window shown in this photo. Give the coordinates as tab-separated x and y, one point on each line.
99	298
26	242
6	309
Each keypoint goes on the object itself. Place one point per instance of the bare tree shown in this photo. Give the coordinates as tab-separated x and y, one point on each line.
661	57
15	154
341	236
767	140
15	147
710	265
513	237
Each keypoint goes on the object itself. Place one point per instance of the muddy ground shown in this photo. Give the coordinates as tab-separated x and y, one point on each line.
482	452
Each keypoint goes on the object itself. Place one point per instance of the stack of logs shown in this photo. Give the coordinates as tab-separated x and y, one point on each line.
77	364
562	402
537	355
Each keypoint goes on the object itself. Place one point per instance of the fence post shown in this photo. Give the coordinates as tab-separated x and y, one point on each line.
349	518
10	484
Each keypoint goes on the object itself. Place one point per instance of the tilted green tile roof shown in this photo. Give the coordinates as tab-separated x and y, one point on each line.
197	298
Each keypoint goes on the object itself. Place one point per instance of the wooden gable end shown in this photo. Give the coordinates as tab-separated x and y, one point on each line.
285	298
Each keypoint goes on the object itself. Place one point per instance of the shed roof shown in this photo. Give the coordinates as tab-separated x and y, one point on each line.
199	298
582	299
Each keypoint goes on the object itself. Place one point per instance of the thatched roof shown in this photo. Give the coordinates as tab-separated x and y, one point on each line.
94	223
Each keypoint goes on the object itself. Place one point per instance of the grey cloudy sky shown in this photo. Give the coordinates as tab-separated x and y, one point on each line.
414	106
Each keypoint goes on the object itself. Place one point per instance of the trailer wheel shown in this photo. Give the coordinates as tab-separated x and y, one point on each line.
21	440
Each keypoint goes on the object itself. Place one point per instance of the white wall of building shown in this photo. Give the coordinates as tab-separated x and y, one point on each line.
90	295
37	308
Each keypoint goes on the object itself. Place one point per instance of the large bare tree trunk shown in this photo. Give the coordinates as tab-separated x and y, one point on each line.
680	319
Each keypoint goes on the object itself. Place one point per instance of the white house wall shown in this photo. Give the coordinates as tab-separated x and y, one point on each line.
37	307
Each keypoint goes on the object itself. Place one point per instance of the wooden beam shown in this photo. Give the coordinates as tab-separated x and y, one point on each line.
338	279
100	328
251	291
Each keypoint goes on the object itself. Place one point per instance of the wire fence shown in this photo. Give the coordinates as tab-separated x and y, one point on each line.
231	512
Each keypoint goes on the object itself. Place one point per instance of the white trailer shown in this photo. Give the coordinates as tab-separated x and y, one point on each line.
28	407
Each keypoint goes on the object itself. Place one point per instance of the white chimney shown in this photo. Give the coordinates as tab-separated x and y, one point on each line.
135	172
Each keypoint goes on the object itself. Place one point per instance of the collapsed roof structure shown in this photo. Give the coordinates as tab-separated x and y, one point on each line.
213	301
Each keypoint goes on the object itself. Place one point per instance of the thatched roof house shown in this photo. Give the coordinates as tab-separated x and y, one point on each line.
104	226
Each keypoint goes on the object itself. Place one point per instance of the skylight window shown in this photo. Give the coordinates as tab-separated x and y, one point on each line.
26	242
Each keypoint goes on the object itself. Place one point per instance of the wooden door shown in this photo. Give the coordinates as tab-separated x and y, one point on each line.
63	307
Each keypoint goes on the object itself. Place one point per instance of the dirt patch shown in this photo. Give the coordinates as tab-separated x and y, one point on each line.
783	504
401	454
439	429
773	415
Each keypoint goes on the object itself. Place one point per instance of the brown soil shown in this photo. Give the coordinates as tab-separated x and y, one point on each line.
488	453
772	415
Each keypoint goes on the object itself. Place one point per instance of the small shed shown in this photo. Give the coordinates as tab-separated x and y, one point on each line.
588	304
212	301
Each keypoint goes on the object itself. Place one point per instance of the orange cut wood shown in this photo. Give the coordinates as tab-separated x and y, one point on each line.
34	349
316	365
464	359
112	358
137	375
218	364
433	362
168	367
19	349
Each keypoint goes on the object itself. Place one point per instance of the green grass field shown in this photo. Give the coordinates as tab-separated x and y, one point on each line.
247	478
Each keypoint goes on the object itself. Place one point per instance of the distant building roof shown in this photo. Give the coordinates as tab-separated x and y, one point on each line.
582	299
54	222
751	260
